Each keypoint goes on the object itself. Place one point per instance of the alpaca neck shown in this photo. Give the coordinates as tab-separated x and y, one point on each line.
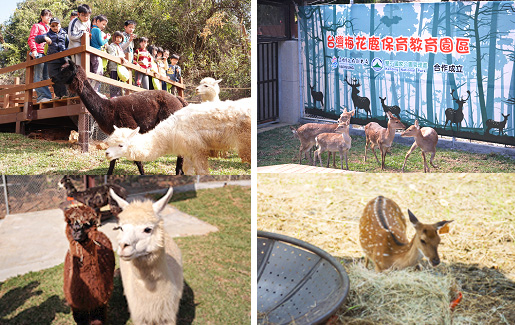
95	104
150	146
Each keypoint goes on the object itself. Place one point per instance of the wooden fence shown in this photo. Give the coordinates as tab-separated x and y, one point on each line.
18	104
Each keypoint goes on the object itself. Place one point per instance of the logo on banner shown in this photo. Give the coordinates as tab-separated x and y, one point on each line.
334	63
377	64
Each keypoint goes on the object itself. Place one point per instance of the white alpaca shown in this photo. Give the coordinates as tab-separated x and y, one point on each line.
209	90
190	132
150	262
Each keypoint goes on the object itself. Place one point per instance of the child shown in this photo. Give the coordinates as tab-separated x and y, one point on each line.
98	39
116	50
174	72
143	59
78	27
128	39
36	51
161	65
57	40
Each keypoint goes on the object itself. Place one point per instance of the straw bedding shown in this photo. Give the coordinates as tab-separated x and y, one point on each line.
478	254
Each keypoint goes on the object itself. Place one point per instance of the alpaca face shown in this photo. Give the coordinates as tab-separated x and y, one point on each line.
66	73
119	141
139	240
209	89
141	227
81	220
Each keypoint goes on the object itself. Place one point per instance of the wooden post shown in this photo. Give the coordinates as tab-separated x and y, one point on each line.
84	131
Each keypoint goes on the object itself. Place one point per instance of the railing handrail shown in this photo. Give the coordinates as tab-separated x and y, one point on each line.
83	48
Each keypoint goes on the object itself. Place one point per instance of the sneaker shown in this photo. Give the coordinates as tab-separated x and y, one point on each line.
42	100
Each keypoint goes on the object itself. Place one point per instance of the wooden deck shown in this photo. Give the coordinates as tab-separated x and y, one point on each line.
299	169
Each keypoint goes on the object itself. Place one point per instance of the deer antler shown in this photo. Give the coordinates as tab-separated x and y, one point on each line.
468	92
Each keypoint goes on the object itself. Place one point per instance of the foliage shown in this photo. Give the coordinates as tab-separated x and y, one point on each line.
210	36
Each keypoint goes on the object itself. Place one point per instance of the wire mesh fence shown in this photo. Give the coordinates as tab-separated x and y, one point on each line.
27	193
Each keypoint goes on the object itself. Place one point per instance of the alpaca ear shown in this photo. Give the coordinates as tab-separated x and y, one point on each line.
136	131
121	202
160	205
115	127
218	81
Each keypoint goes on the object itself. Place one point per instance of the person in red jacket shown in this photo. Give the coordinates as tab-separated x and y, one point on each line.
36	52
143	59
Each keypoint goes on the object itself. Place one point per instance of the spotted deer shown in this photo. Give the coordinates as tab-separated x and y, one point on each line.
308	132
376	135
358	101
491	124
426	138
382	235
340	141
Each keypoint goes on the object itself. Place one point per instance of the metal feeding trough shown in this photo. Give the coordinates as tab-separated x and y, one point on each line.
297	282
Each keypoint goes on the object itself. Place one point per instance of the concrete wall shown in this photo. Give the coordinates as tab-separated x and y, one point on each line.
289	93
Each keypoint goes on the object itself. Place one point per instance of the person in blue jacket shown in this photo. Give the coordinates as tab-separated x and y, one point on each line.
98	40
57	40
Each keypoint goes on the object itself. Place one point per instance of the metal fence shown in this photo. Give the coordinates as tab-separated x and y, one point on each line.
25	193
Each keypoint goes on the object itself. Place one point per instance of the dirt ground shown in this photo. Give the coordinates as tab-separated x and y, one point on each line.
479	250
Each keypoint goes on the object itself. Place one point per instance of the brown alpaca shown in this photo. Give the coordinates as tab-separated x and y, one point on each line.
95	197
143	109
88	266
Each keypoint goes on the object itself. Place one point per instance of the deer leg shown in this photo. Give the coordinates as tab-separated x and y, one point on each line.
328	158
426	167
413	146
346	164
383	156
374	151
366	145
431	159
334	160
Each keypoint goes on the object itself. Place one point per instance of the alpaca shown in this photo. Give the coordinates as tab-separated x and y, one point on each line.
191	133
94	197
209	90
88	266
143	109
150	262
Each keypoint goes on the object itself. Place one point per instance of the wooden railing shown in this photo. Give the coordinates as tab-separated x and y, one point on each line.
18	105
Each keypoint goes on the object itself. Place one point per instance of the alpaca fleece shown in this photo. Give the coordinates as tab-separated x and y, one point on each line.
150	262
191	132
88	267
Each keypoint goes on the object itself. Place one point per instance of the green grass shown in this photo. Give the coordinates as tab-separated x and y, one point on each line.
216	271
278	146
20	155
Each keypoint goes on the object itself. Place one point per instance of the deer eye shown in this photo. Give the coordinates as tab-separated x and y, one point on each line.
423	241
147	230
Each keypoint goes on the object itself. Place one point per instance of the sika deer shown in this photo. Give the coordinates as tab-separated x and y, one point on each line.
333	142
491	124
396	110
426	138
308	132
376	135
358	101
382	235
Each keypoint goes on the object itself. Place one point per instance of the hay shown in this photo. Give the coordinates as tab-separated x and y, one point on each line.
478	252
400	297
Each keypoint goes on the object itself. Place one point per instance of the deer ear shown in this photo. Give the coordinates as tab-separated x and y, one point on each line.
442	226
412	218
352	112
160	205
416	124
390	115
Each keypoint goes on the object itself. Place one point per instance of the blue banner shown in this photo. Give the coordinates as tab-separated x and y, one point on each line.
450	65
